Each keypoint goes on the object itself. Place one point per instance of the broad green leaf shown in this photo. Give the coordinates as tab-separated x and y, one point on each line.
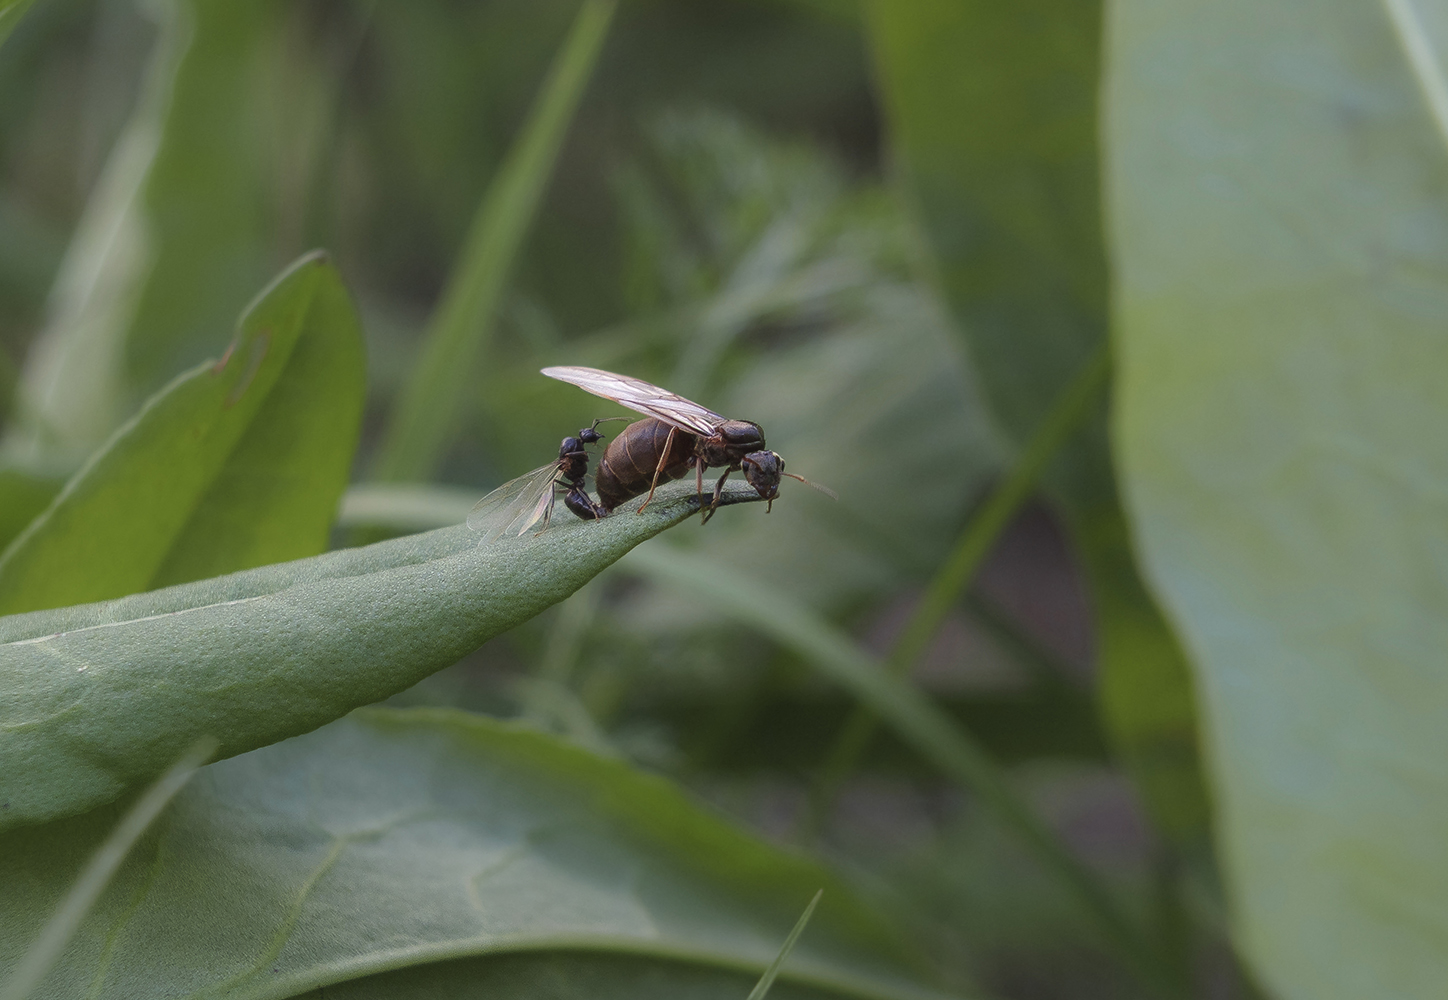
431	403
555	975
992	110
97	698
23	495
1281	234
238	463
395	839
38	959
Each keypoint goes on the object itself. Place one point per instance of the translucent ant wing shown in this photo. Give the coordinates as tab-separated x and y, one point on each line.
517	505
642	396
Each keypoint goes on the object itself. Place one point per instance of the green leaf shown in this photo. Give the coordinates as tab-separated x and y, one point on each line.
432	401
1281	234
395	839
993	113
914	717
97	698
23	495
238	463
104	862
560	975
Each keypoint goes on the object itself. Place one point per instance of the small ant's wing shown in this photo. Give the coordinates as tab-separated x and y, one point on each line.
516	506
642	396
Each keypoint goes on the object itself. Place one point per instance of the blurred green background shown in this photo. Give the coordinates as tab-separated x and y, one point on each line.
879	231
728	216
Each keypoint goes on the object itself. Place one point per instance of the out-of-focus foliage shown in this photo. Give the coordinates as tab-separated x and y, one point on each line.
1279	202
878	233
11	11
424	417
239	463
996	126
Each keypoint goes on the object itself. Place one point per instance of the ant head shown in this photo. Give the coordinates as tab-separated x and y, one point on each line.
590	435
762	470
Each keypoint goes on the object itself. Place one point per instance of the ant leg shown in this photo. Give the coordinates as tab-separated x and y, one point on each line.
718	492
663	457
699	487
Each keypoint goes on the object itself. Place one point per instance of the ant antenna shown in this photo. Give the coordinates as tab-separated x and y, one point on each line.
816	486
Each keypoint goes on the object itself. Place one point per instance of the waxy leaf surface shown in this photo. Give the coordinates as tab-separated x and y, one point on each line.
1280	211
99	697
392	840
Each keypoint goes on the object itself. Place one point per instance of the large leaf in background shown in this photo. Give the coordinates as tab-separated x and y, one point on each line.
237	464
561	975
23	495
992	110
1281	234
99	697
398	839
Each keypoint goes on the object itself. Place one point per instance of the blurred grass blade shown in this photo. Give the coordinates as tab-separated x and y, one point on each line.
402	508
11	11
915	719
761	988
93	697
1427	69
73	389
237	464
41	956
432	400
1075	406
997	134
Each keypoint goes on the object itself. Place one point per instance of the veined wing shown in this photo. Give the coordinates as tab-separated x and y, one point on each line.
517	505
639	395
